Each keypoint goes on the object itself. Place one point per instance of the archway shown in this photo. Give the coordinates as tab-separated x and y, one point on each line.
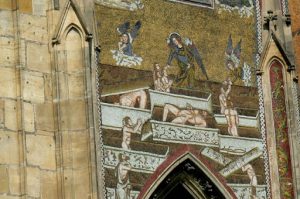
187	181
186	174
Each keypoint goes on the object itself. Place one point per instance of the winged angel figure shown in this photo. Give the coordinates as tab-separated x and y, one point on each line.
232	59
185	53
232	63
124	56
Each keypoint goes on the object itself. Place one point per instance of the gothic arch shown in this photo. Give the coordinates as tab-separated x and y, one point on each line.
72	65
275	55
74	51
181	170
72	27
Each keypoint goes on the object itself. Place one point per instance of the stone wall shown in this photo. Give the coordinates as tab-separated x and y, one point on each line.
45	149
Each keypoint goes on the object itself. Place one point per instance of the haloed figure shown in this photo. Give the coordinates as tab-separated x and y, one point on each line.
128	129
121	172
124	45
124	55
127	37
190	115
185	53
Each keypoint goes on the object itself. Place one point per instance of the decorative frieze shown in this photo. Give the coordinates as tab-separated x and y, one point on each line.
176	133
243	191
139	161
112	115
111	193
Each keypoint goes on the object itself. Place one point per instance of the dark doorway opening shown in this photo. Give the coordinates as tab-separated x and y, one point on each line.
187	181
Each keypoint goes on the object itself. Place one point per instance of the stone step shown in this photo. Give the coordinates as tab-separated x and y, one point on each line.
114	138
247	132
114	97
113	115
241	111
158	98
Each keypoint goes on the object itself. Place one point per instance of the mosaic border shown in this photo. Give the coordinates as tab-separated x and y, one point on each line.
296	106
261	97
98	136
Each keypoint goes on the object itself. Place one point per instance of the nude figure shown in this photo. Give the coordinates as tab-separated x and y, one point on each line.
128	129
193	116
157	74
165	80
232	118
121	172
224	94
162	82
253	179
136	97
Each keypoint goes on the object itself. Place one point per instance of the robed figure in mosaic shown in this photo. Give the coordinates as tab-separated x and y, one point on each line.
125	56
186	54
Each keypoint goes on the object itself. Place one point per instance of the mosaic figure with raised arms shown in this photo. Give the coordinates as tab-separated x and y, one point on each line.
129	128
224	95
124	56
162	81
187	115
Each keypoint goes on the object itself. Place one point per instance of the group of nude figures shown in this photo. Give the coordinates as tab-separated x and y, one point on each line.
182	116
162	82
190	115
123	167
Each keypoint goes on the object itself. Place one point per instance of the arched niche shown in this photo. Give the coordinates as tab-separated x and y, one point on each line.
281	127
73	82
74	50
274	53
75	66
185	174
275	84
